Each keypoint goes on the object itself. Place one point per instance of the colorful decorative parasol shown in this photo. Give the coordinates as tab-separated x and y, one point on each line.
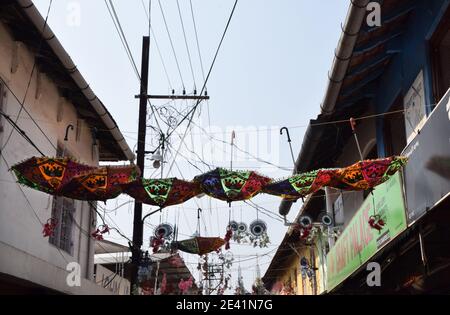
231	185
47	174
102	183
359	176
162	192
301	185
199	245
367	174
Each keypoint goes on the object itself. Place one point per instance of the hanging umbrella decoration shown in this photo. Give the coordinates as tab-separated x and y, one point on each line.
231	185
362	175
162	192
66	177
367	174
301	185
47	174
199	245
102	183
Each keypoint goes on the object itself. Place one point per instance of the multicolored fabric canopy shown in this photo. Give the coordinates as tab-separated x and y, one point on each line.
162	192
102	183
359	176
231	185
48	174
199	245
63	176
367	174
301	185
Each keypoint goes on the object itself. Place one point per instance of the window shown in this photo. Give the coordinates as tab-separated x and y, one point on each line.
63	210
440	57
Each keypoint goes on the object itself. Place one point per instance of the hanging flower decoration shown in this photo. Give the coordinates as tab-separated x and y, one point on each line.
199	245
49	227
99	232
162	235
48	174
227	238
102	183
376	222
305	233
162	192
231	185
156	243
185	286
367	174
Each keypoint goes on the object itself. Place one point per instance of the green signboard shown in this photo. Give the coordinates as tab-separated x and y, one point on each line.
359	242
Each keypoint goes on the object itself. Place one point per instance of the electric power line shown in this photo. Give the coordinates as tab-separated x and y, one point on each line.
186	43
192	111
171	44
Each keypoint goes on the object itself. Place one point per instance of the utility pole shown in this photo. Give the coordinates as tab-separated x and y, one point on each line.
138	221
138	226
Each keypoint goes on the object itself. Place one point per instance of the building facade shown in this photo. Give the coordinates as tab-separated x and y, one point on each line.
394	79
44	95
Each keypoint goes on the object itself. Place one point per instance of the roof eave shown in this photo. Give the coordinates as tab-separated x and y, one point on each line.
38	21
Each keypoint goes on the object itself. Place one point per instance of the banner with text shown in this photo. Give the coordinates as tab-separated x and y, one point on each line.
359	242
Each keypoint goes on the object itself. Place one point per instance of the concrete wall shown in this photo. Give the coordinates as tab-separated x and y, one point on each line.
22	212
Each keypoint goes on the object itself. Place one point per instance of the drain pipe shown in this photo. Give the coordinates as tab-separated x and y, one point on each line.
343	54
37	19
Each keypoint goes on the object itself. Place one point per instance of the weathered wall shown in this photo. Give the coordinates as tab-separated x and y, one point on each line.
21	213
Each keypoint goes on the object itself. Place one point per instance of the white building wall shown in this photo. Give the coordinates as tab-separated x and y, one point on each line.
22	213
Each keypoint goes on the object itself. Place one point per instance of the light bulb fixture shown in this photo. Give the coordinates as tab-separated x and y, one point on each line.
157	159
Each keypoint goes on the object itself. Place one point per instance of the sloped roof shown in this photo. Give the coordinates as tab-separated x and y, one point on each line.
27	25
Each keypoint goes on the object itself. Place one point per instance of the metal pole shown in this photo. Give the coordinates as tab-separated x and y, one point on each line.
66	138
353	125
233	136
138	223
290	145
